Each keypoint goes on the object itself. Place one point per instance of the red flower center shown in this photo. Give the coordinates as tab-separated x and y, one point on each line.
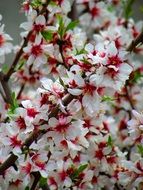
38	27
89	89
99	154
27	168
63	175
1	40
95	12
21	123
36	50
31	112
114	60
15	142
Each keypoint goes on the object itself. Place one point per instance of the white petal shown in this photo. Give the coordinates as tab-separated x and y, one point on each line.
40	20
75	92
47	83
111	48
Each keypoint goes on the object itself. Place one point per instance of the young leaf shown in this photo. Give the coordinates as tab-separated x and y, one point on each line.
20	65
110	141
140	149
136	76
27	188
61	29
36	3
72	25
78	171
61	82
128	8
107	99
47	35
14	104
5	68
42	182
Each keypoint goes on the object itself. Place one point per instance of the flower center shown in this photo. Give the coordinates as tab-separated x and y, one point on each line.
89	89
36	50
1	40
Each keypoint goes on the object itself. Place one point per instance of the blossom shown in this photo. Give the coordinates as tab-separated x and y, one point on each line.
37	52
5	45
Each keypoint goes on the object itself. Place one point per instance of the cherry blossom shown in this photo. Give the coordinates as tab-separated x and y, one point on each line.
71	101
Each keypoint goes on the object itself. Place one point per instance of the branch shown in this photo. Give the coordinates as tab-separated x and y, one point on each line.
6	89
21	90
135	42
73	13
34	136
17	57
20	52
2	95
36	180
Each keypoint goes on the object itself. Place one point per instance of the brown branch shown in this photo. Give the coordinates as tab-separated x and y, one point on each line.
135	42
129	98
33	137
36	180
20	52
6	89
2	95
17	57
73	13
20	91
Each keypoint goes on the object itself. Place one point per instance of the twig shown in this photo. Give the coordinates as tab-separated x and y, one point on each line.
3	96
21	90
73	13
129	98
36	180
20	52
17	57
135	42
6	89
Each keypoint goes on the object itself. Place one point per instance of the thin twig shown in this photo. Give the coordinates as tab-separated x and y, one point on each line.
129	98
20	52
21	90
17	57
2	95
6	89
73	13
36	180
135	42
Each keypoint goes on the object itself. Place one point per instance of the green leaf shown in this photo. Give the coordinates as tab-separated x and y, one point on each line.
61	82
47	35
111	8
140	149
42	182
5	68
128	8
136	76
36	3
107	99
14	104
110	141
61	29
72	25
27	188
78	171
82	51
20	65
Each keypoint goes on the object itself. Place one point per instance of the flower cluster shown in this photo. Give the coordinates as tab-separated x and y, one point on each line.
72	118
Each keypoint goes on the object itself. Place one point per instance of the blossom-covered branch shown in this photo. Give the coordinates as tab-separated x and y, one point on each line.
72	122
